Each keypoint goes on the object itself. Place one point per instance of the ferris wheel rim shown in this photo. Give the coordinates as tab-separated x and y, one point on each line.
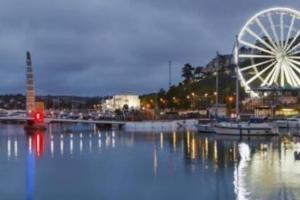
286	9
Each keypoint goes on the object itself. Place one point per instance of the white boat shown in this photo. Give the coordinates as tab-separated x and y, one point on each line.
243	128
293	122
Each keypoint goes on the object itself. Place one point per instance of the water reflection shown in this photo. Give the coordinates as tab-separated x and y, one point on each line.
35	150
30	169
240	172
215	167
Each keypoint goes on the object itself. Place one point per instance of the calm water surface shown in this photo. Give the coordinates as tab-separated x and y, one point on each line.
76	162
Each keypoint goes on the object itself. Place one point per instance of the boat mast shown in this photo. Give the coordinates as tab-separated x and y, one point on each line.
217	86
237	86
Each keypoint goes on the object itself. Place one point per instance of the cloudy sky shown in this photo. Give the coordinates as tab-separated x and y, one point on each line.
104	47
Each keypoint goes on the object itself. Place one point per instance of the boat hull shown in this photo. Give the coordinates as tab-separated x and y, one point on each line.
205	128
243	129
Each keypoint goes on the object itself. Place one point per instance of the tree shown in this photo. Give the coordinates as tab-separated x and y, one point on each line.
187	73
198	73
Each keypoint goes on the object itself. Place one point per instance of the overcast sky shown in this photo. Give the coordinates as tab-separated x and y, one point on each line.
104	47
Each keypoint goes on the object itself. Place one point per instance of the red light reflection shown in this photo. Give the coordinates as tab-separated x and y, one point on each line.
38	143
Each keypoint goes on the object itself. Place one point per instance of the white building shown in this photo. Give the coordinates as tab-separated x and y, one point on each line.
118	102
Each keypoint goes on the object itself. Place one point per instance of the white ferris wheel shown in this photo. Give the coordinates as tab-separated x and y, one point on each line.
268	50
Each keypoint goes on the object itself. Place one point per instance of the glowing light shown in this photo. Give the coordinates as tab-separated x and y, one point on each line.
52	148
62	147
107	141
216	152
99	143
240	173
155	162
38	143
39	117
206	147
193	153
71	146
174	140
188	141
16	148
161	141
8	148
80	145
113	142
30	144
90	145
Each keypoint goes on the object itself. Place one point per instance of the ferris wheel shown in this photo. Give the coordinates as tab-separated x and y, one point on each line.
268	50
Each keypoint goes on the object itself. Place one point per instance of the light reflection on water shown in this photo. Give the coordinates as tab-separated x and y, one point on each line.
78	163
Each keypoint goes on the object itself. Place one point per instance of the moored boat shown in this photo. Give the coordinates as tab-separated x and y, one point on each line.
288	123
243	128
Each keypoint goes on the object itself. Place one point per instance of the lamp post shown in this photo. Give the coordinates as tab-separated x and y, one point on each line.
217	85
237	86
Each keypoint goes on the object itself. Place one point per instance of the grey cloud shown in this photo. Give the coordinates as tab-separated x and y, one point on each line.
100	47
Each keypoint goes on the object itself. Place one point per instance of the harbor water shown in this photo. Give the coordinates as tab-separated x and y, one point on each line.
81	162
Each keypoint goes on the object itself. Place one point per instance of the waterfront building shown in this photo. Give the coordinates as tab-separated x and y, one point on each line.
119	101
220	61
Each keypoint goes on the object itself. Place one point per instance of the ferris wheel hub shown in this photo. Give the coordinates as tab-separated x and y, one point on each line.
280	56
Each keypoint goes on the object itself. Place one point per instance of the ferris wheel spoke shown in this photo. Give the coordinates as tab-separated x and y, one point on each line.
295	52
276	75
286	73
255	56
294	47
292	42
256	47
259	39
270	75
293	68
289	31
294	57
281	77
261	26
260	73
294	64
256	65
273	29
281	30
294	76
